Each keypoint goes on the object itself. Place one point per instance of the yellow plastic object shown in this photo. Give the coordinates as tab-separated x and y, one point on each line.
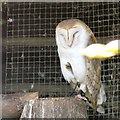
96	51
113	46
102	51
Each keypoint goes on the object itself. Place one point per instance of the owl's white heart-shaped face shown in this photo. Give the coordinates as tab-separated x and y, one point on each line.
71	33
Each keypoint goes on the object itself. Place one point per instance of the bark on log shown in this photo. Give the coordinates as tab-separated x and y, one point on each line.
12	104
67	107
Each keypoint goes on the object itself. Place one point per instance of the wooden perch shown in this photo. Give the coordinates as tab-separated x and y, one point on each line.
12	104
66	107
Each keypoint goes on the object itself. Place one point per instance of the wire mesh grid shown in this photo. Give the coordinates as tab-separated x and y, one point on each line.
31	62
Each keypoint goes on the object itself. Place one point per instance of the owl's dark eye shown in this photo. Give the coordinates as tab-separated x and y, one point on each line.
63	36
75	34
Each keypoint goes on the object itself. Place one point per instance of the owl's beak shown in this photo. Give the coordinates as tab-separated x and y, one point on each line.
69	39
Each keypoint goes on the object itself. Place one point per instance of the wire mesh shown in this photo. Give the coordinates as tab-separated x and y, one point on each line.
30	58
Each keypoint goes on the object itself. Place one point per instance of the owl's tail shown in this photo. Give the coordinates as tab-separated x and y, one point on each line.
97	105
101	99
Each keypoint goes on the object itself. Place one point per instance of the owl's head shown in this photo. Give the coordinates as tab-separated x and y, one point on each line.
73	32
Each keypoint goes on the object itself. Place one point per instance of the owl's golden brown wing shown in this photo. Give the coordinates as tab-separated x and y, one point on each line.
93	81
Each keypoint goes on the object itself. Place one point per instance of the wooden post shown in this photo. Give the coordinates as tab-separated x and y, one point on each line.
66	107
12	104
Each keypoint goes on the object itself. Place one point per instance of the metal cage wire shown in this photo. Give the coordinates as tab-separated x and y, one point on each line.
30	58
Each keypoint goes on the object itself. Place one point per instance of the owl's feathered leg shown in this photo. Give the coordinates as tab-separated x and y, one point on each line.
80	89
74	88
81	94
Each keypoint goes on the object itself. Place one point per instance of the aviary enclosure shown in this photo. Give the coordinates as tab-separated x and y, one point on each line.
30	60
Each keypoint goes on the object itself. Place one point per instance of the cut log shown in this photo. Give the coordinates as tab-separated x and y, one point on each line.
12	104
66	107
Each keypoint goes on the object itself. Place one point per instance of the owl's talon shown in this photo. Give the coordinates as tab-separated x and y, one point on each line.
81	97
81	93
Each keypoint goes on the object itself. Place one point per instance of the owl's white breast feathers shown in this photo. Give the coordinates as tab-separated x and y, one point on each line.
77	62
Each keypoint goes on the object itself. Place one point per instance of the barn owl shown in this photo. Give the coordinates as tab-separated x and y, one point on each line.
82	73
